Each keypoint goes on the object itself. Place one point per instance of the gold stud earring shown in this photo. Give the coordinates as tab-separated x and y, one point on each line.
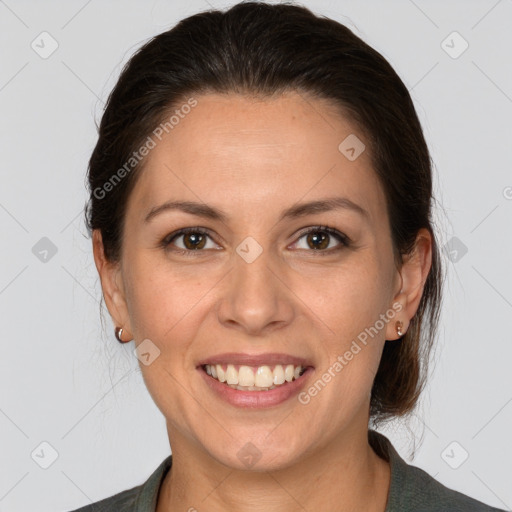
118	333
399	326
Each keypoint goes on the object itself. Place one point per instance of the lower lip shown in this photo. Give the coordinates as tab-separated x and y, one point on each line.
256	399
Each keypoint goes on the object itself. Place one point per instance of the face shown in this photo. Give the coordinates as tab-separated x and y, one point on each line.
287	260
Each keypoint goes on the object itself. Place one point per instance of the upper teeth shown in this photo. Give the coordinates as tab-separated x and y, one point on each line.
260	377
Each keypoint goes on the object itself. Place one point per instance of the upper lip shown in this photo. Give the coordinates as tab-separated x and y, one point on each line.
239	358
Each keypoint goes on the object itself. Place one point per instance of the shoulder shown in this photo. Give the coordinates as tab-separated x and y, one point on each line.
412	488
424	493
121	502
142	498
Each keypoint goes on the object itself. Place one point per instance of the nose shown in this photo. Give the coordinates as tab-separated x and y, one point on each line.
255	298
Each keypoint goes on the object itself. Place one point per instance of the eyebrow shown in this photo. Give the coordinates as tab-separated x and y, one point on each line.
296	211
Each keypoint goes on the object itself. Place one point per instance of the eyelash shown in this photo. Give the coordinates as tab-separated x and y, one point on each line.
343	239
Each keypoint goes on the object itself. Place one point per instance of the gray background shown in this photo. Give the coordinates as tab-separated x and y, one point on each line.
65	381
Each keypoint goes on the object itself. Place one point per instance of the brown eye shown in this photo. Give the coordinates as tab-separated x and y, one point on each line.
321	239
318	240
193	239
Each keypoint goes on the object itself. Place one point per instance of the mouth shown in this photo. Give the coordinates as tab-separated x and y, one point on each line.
255	381
254	378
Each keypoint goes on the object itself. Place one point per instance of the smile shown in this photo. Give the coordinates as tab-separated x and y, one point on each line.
255	381
254	378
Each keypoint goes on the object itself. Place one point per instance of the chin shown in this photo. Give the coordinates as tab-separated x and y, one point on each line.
276	454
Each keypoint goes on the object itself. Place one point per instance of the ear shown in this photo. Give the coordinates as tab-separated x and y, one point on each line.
412	276
112	286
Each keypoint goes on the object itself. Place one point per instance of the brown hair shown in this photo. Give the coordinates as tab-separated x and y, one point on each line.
261	49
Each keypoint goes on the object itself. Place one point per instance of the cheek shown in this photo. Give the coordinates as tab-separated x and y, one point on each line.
351	307
160	297
347	298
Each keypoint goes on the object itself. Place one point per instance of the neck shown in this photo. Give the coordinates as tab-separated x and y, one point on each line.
347	475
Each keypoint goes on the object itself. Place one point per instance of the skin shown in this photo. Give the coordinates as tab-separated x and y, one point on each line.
253	159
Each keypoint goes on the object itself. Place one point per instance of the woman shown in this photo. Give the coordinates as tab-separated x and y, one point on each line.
260	210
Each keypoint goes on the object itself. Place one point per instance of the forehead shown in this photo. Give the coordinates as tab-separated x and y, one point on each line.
247	151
